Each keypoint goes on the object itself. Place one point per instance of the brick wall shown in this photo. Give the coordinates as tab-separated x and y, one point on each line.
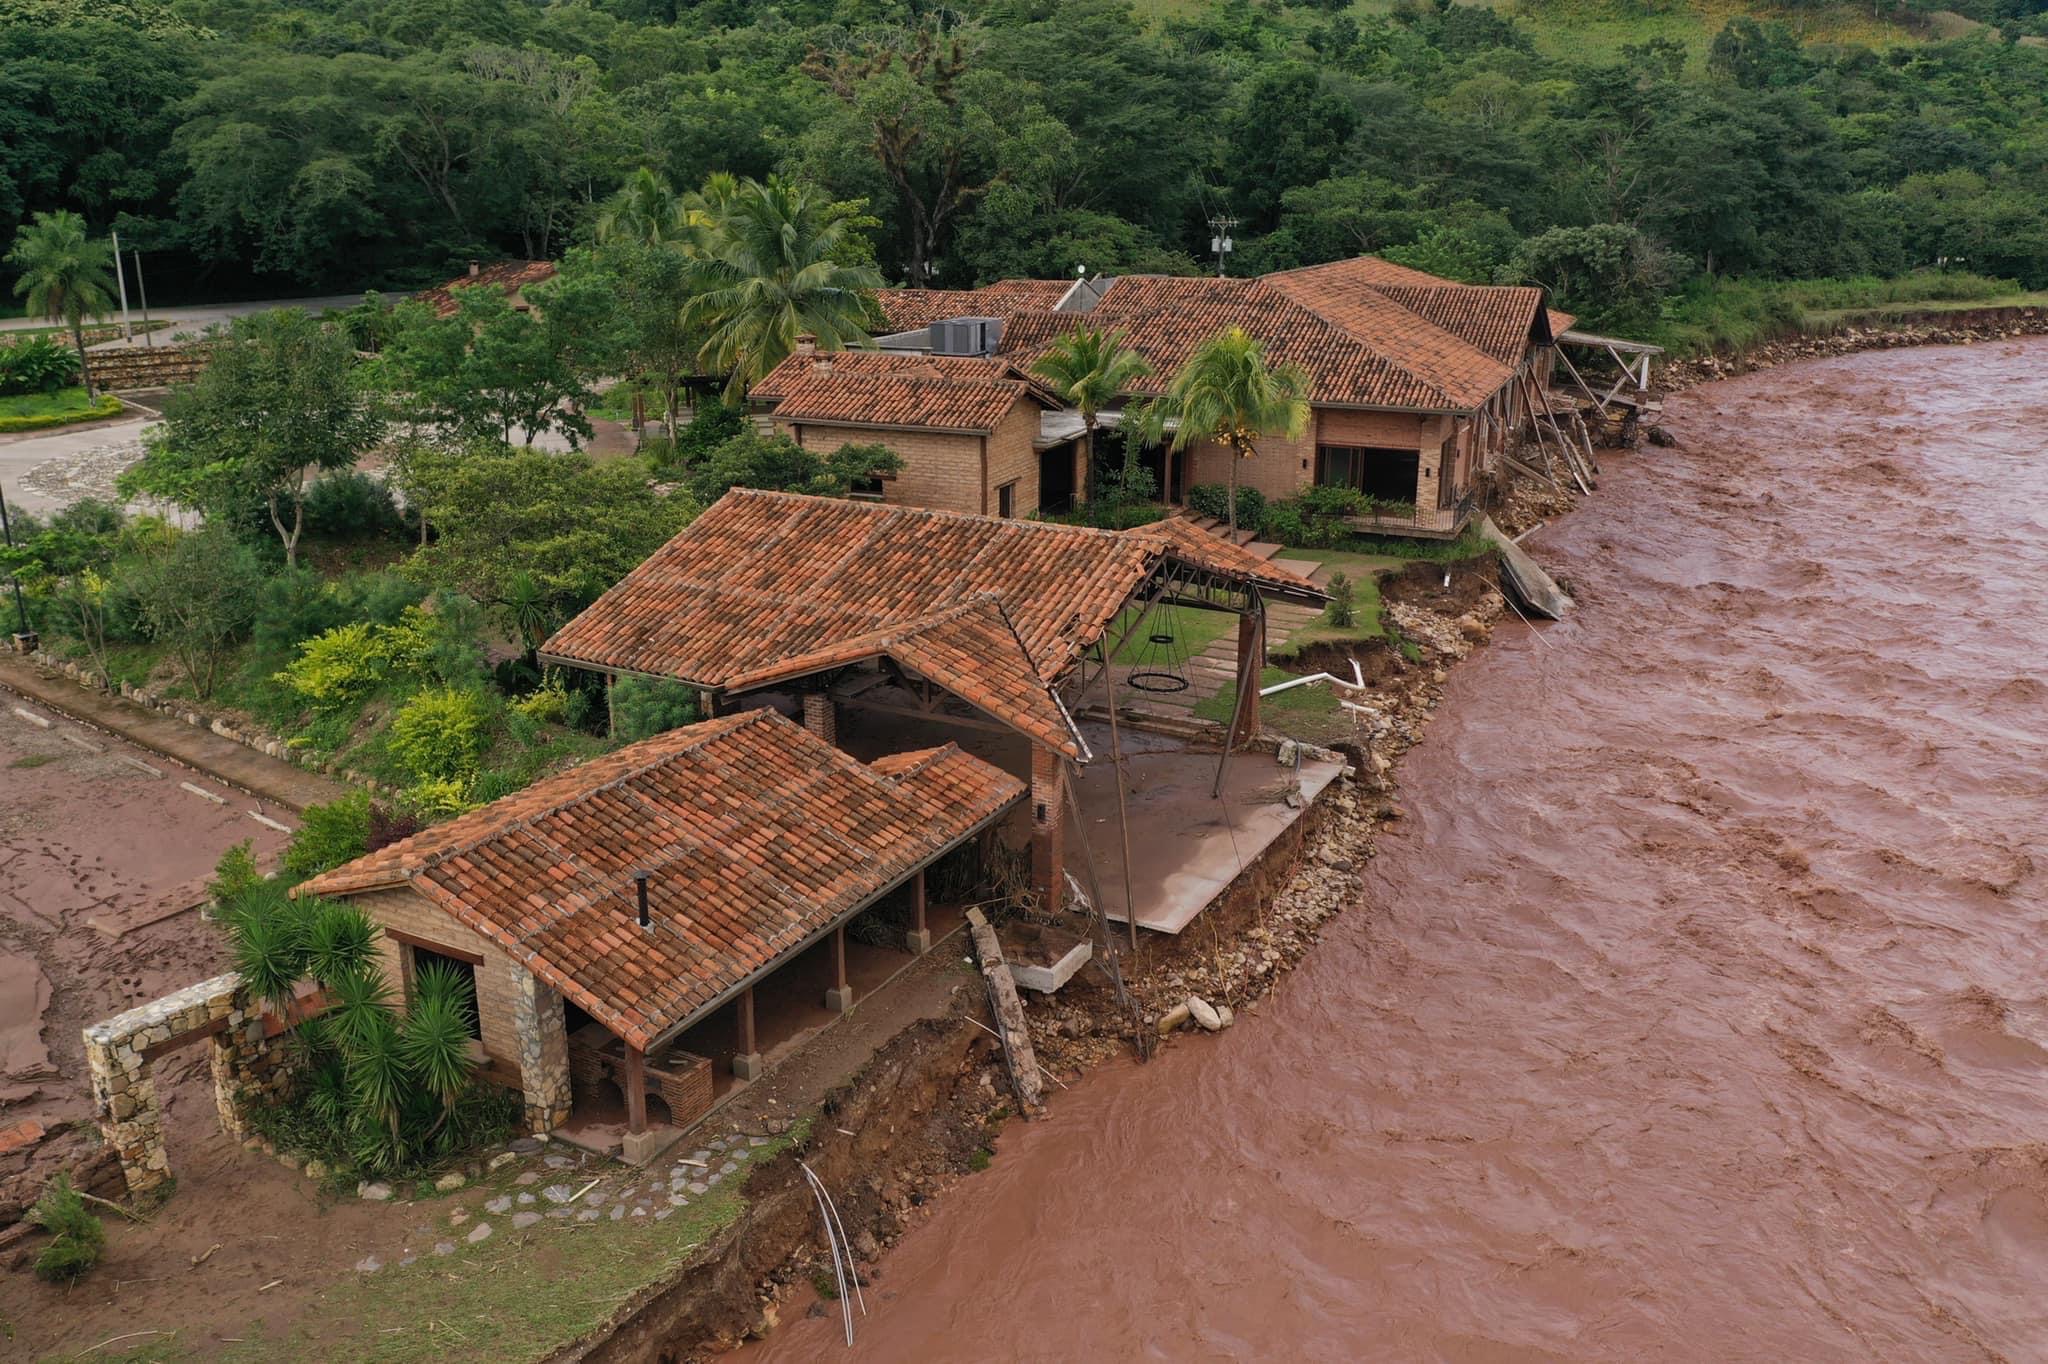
1011	458
1277	470
498	981
940	470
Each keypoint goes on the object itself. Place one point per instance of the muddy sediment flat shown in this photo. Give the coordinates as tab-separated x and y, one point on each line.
1697	1010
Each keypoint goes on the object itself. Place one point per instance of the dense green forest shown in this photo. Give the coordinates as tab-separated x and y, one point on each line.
1620	153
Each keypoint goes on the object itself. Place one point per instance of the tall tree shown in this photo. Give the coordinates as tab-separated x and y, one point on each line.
646	211
1090	369
279	401
64	276
1226	392
772	270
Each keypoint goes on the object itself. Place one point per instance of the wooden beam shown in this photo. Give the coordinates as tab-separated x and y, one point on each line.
839	956
746	1012
917	901
636	1090
398	935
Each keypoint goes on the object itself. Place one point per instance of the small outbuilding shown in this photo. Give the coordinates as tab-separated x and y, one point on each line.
606	912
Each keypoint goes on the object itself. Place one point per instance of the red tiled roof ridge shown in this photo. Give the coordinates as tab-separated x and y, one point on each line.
1404	352
675	743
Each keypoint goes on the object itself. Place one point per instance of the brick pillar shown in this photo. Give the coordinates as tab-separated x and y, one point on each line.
821	717
1251	667
1048	829
543	1041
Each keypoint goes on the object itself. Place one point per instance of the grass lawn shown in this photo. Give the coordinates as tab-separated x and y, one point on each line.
55	408
1192	628
1823	318
1311	713
1365	611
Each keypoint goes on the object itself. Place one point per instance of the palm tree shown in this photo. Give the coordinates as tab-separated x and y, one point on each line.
646	211
64	274
1090	369
1227	392
771	270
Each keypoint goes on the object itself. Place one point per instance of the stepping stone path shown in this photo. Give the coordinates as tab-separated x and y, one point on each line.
444	1247
559	1162
522	1220
369	1264
479	1233
529	1177
526	1198
500	1204
618	1211
558	1193
587	1215
664	1214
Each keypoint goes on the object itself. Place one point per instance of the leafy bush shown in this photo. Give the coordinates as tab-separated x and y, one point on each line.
546	704
198	593
1343	609
39	364
1213	499
441	734
716	422
340	666
1314	520
294	605
234	875
77	1240
749	460
328	836
440	797
351	505
641	708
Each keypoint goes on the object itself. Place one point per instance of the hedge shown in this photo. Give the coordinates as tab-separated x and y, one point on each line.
107	406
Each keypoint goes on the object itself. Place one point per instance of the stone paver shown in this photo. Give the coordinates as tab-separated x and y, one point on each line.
479	1233
522	1220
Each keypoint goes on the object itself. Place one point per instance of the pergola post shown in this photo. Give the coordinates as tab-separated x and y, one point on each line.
1251	666
636	1090
920	935
1048	829
840	997
746	1057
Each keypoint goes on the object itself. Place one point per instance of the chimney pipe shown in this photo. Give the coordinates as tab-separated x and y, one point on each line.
475	269
806	344
640	887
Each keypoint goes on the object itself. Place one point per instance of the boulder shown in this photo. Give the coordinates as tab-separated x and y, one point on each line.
1204	1014
374	1191
1172	1019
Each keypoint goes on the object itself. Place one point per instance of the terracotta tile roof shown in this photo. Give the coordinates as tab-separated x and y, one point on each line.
794	368
755	834
510	275
906	397
909	309
762	583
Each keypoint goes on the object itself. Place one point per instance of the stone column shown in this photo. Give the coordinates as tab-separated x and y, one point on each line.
821	717
543	1051
920	935
1048	829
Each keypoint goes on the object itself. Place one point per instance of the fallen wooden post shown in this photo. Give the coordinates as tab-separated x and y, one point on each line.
1011	1028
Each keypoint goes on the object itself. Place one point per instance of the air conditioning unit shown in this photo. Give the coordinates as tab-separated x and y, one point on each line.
967	336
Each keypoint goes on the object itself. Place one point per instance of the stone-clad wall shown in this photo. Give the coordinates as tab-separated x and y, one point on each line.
245	1062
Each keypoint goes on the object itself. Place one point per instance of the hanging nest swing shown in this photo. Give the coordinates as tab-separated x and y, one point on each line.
1162	664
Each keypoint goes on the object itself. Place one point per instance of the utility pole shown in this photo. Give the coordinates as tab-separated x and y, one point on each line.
148	336
1220	242
121	278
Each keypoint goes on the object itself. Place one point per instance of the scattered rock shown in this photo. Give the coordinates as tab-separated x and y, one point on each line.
1173	1018
451	1181
444	1247
528	1177
317	1170
501	1160
618	1212
458	1217
480	1233
1225	1015
522	1220
524	1146
587	1215
559	1162
500	1204
1203	1014
558	1193
374	1191
369	1264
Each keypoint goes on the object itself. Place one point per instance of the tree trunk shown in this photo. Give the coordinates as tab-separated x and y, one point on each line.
84	369
290	537
1231	450
1088	455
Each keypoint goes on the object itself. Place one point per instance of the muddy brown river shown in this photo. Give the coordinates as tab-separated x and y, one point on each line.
1697	1012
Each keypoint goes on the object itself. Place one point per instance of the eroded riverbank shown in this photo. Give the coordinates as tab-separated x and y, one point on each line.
1698	1001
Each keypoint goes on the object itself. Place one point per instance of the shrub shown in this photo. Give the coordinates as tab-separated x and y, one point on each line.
441	733
1343	601
547	704
1213	499
234	875
39	364
328	836
293	606
338	666
351	505
440	797
388	826
77	1240
642	708
198	595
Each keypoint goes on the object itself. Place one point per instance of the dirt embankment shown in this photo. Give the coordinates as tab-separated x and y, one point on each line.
1960	327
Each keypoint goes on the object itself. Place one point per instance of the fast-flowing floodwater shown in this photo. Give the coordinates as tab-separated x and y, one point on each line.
1700	1009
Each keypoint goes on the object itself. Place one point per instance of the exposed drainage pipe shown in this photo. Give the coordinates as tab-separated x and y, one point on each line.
1357	683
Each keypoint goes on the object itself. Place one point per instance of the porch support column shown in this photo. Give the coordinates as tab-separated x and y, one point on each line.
1048	829
746	1057
821	717
839	998
920	935
543	1041
1251	667
636	1090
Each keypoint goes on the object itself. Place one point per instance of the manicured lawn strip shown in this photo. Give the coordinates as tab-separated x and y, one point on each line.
1192	628
28	411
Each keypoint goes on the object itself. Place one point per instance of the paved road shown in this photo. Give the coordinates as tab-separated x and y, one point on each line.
68	463
192	320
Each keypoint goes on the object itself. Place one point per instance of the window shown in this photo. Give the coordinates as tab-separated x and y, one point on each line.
1006	500
1385	473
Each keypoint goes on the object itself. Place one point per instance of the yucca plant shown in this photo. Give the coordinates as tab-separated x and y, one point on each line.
434	1039
340	940
270	942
